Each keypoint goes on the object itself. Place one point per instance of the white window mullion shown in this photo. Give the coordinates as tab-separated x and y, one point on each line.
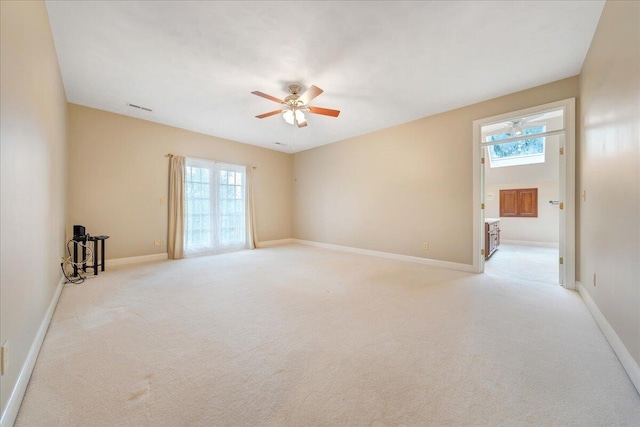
214	203
215	222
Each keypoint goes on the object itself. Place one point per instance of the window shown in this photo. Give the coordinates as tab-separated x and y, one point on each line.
522	202
523	152
215	207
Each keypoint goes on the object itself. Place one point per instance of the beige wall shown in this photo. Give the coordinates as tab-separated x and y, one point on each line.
609	170
395	189
544	177
118	174
33	179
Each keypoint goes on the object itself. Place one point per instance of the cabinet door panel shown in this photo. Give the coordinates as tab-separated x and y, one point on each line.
528	202
508	202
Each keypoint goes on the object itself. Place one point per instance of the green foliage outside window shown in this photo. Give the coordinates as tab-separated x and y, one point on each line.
524	147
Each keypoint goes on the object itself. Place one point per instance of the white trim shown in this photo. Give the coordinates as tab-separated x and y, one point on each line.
567	192
268	243
627	361
570	197
135	259
478	244
530	243
523	137
399	257
15	400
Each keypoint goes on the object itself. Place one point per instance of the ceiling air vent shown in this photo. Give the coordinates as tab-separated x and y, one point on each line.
139	107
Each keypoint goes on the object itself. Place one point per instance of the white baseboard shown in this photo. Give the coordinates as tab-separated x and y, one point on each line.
135	259
268	243
529	243
627	361
399	257
15	400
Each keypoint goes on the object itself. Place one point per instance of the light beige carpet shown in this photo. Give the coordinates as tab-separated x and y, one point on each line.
533	263
301	336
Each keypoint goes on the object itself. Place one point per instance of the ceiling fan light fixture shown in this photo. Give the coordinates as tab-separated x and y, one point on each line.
294	106
288	116
516	130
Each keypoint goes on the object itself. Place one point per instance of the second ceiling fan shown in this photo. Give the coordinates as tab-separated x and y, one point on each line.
294	106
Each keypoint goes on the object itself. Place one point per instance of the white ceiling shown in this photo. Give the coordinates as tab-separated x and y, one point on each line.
381	63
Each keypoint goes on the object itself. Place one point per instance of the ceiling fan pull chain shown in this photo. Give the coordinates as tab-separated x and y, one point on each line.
293	146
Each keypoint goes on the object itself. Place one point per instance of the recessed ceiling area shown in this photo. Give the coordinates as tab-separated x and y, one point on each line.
381	63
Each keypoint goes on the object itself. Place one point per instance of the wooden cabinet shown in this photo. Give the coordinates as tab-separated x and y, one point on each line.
522	202
491	237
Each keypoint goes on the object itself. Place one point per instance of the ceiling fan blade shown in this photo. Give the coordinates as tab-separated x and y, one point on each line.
269	114
324	111
269	97
311	93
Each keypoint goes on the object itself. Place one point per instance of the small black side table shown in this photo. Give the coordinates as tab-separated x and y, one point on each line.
95	264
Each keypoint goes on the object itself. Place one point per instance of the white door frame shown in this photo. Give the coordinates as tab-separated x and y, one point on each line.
567	187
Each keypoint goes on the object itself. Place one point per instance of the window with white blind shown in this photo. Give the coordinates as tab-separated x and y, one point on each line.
215	207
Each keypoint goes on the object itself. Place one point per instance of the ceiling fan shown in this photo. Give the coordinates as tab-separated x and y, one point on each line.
518	126
294	106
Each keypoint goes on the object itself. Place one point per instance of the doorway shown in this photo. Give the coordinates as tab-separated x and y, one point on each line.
524	149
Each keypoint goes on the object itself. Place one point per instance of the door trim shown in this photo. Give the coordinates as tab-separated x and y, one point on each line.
567	191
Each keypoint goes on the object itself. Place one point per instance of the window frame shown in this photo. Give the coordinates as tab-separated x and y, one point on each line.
526	159
219	225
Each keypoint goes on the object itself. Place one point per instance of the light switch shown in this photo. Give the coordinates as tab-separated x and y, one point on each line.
163	201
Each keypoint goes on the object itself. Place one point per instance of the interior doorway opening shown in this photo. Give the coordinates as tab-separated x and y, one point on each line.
524	188
528	244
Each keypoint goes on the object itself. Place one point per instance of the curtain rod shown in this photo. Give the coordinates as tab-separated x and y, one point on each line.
169	155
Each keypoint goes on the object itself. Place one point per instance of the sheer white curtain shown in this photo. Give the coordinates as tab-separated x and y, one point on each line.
216	207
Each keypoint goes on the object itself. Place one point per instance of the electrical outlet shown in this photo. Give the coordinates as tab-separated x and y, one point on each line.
163	201
157	242
425	245
162	242
4	358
